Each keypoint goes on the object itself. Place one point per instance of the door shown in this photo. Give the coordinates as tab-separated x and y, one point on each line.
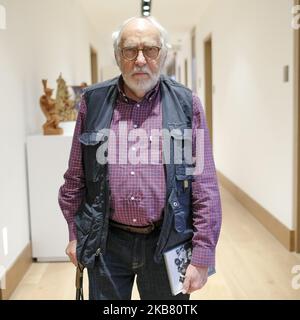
94	65
179	74
194	61
208	96
186	72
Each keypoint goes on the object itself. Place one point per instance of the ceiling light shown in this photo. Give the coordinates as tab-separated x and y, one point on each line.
146	7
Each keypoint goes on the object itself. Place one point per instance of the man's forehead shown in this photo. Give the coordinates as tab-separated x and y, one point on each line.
138	40
140	31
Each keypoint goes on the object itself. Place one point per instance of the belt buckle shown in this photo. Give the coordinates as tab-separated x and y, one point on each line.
152	227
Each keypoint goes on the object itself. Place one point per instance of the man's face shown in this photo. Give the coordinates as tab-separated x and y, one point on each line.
142	73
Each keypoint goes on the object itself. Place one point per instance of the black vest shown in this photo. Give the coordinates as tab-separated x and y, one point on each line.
93	215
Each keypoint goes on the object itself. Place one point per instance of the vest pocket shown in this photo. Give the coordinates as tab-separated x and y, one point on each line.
91	138
180	215
93	159
183	183
84	222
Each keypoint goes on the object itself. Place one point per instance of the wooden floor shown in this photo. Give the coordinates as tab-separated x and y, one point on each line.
251	264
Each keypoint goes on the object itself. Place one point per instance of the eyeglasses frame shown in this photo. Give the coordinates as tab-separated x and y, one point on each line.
138	51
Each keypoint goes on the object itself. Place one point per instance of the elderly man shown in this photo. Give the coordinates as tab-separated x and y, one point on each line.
124	214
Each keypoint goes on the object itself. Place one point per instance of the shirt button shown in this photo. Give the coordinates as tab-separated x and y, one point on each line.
132	173
132	198
175	204
133	148
134	220
138	105
135	126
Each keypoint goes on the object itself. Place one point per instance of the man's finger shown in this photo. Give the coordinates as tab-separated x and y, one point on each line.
186	285
73	258
71	252
194	287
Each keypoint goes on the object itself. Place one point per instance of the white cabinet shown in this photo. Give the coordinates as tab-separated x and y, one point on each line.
47	160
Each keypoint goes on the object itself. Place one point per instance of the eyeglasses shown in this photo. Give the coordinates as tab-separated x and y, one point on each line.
131	53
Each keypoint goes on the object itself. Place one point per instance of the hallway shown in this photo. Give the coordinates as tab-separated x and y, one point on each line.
251	264
241	58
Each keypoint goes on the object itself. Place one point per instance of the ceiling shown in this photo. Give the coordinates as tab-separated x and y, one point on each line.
106	16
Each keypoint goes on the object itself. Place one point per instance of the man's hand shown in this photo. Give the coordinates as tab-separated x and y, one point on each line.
195	278
71	251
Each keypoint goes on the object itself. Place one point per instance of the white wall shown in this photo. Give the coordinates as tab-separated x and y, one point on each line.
42	39
252	106
109	72
60	38
182	54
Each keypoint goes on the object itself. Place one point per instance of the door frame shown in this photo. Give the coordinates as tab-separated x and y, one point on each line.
194	70
208	81
186	72
297	126
94	65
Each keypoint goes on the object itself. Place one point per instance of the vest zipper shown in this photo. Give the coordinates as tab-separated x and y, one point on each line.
98	252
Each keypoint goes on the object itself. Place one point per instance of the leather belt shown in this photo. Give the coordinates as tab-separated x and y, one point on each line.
134	229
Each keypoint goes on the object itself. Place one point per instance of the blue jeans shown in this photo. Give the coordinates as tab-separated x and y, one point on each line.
128	255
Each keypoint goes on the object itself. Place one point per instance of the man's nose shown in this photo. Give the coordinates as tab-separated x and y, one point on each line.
140	59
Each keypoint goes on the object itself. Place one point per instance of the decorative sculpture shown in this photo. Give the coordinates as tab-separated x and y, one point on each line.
65	106
62	109
48	106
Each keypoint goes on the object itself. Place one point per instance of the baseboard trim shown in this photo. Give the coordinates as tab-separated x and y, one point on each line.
284	235
16	272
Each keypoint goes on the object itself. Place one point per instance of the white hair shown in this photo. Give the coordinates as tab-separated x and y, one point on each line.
116	36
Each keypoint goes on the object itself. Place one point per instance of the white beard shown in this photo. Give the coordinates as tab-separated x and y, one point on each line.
142	85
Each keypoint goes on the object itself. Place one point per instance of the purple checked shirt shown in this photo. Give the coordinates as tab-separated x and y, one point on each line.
138	190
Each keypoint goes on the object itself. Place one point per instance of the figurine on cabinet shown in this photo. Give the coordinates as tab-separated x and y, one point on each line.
48	106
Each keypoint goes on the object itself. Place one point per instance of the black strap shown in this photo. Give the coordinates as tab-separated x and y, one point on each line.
79	282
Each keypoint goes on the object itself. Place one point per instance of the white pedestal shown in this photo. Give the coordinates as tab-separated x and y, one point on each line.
47	160
68	127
